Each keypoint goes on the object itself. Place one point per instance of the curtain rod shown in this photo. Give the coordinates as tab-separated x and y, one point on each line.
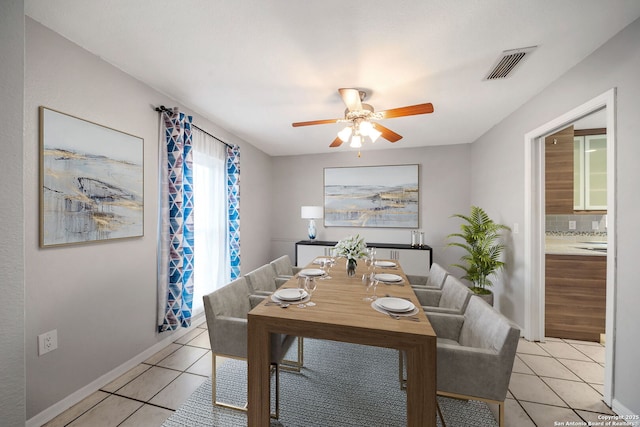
162	109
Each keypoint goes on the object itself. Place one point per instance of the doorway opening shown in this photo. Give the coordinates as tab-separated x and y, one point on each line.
534	278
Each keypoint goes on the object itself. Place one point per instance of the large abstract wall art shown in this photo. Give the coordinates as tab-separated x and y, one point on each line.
91	180
371	196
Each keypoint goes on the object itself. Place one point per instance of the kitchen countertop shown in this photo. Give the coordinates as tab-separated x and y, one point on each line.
576	245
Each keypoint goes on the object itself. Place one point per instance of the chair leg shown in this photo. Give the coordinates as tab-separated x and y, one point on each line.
440	413
295	365
401	378
213	378
482	399
214	386
275	415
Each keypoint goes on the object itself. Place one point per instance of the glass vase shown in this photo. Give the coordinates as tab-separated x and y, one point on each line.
351	267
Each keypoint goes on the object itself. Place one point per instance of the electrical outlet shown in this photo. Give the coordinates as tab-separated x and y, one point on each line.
47	342
516	228
572	225
595	225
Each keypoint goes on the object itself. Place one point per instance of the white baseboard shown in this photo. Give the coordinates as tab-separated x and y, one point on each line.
56	409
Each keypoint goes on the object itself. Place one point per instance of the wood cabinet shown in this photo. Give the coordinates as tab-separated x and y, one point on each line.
558	153
575	296
575	171
414	261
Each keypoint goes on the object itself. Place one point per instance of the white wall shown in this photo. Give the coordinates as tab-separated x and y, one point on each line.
498	183
12	365
444	190
255	208
101	297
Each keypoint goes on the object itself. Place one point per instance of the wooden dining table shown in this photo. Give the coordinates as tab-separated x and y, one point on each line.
341	314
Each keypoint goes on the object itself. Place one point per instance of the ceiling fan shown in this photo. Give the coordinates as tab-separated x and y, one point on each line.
360	119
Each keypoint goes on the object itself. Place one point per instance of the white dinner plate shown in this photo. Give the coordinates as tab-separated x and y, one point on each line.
379	309
311	272
389	278
395	305
290	294
319	260
385	264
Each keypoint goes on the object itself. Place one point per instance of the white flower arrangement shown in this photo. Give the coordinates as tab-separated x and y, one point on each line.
353	247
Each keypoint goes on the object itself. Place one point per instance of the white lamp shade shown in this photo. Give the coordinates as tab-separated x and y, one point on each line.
374	134
344	134
311	212
365	128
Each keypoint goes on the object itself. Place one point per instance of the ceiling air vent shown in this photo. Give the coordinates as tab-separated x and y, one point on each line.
507	62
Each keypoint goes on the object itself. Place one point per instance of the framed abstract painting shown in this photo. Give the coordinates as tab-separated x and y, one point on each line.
91	181
372	196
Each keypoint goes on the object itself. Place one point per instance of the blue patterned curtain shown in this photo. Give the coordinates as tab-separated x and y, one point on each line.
233	197
175	275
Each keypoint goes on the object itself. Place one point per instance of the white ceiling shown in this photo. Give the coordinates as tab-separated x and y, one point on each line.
255	66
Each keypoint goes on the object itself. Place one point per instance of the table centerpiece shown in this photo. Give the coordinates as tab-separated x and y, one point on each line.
352	248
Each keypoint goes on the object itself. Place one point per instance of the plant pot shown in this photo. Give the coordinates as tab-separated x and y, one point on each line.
484	294
351	267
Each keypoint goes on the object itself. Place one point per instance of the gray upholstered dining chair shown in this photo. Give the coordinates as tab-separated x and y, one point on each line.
435	279
263	280
284	268
452	299
226	312
475	354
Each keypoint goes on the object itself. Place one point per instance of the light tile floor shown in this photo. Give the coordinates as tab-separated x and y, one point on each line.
555	381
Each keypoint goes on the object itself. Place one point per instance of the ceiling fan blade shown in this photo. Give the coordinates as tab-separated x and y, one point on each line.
351	98
387	133
315	122
411	110
336	142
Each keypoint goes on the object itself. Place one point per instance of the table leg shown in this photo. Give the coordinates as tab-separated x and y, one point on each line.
421	385
258	390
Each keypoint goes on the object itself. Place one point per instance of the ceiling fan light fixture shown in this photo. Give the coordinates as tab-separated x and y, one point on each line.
361	120
356	141
365	128
374	134
345	133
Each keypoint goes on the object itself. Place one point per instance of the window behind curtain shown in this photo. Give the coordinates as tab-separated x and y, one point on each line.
211	257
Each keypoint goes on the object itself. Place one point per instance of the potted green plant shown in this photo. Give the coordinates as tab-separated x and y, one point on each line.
481	241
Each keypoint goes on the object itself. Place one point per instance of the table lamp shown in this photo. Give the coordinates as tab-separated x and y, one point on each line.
311	213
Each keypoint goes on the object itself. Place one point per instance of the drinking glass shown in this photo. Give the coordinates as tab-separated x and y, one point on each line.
375	283
372	256
368	262
324	266
301	286
371	284
328	263
372	252
310	285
